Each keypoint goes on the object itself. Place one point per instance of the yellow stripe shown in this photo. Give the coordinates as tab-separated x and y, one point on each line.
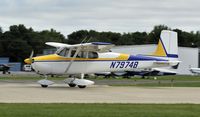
123	57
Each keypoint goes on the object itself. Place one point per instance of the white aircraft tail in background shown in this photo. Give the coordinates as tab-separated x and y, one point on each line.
194	70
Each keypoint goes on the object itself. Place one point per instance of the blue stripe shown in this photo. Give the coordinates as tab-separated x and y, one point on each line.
169	55
144	58
163	46
172	55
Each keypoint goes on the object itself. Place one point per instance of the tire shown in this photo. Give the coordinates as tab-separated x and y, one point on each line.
81	86
72	85
44	86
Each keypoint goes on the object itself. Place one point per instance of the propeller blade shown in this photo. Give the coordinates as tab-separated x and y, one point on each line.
30	59
31	56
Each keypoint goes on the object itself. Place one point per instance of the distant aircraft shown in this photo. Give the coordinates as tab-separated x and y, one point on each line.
195	70
86	58
5	68
154	72
143	73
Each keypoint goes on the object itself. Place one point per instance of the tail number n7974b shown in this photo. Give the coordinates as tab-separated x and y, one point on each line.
124	64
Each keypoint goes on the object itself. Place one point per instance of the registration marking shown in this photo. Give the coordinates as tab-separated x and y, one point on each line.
124	64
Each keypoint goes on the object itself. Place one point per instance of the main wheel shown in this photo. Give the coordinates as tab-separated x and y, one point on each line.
82	86
72	85
44	86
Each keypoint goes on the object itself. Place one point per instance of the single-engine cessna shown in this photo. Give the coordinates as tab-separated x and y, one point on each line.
86	58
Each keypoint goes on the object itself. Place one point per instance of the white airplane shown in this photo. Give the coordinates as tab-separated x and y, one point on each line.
86	58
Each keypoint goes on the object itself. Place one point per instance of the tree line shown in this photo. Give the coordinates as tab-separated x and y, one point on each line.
18	42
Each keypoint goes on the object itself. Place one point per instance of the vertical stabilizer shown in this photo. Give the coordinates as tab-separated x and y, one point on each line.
167	45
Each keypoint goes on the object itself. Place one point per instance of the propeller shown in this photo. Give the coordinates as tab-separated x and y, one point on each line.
30	59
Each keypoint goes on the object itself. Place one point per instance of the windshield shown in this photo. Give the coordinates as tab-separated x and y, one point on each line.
64	52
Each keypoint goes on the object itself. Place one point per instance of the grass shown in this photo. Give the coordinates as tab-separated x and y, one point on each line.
99	110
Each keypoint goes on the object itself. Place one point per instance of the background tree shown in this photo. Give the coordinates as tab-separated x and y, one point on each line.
18	42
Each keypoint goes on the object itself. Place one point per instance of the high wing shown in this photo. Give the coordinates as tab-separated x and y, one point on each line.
93	46
57	45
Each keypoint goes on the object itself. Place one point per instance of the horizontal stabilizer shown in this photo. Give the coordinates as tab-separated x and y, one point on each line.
163	70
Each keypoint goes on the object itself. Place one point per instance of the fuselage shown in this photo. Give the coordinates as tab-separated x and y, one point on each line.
102	62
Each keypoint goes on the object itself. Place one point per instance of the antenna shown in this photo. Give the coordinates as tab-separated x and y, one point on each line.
85	40
89	39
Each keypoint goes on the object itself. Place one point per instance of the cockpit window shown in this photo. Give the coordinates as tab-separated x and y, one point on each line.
82	54
64	52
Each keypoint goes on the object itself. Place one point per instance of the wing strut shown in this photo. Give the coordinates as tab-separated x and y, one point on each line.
72	60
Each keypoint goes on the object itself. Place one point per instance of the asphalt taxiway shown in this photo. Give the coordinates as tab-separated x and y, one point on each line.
30	92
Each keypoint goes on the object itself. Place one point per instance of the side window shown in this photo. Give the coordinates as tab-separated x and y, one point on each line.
81	54
84	54
92	55
64	52
72	53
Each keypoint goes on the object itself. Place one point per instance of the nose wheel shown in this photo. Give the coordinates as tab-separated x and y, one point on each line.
72	85
45	83
44	86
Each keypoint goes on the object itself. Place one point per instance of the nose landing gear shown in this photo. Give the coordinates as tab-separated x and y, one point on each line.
45	83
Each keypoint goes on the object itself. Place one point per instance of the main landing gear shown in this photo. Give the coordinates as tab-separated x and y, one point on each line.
81	83
74	85
72	82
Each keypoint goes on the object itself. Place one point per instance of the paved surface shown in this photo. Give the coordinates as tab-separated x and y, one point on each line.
61	93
